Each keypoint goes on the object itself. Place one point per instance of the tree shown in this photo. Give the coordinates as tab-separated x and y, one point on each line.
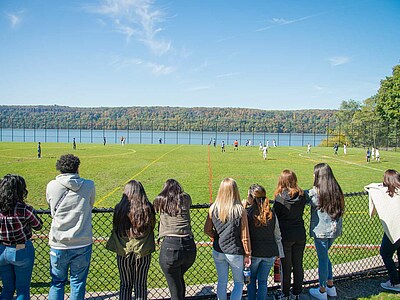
388	97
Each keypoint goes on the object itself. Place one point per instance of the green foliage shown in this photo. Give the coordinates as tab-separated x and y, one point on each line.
165	118
388	97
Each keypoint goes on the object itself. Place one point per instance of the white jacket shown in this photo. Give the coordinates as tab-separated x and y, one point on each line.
71	226
388	209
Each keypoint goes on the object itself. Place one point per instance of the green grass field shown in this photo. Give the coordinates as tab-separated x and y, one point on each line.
198	168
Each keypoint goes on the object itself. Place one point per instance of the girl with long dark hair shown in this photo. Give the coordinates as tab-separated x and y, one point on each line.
384	199
17	254
289	207
132	239
178	249
327	208
265	238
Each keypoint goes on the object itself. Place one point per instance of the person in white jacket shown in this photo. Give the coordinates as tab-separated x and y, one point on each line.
71	199
384	200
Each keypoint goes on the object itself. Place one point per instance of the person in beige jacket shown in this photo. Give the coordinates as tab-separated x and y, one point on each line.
384	200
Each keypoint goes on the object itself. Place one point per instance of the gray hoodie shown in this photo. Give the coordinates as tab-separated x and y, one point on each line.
71	226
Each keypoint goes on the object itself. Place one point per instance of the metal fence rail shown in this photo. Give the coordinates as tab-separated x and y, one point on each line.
355	252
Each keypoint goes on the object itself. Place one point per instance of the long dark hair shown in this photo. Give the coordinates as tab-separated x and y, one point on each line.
391	179
330	195
12	190
260	203
134	214
172	199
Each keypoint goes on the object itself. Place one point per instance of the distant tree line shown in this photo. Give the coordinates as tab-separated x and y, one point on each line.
375	121
167	118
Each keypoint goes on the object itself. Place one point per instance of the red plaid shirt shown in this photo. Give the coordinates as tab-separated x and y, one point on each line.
16	226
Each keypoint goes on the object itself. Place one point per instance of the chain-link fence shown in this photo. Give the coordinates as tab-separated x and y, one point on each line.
356	252
288	132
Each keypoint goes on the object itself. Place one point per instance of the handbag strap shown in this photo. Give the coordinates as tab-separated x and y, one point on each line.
60	200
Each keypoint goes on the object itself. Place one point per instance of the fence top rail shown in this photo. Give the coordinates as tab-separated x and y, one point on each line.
193	206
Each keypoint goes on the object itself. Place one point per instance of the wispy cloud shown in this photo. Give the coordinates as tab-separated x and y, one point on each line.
139	19
156	69
275	22
15	19
227	75
339	60
318	87
199	88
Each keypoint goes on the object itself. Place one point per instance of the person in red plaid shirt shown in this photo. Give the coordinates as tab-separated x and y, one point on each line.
17	219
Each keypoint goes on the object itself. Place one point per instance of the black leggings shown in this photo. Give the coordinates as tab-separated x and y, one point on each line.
293	260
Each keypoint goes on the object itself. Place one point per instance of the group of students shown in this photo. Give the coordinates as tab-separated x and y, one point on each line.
245	233
251	233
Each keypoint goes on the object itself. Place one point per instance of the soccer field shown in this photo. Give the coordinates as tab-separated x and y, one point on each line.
199	168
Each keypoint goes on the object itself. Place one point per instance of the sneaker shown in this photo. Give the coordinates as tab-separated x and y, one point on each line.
389	286
317	294
331	291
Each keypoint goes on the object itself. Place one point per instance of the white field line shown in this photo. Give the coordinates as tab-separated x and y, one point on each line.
301	154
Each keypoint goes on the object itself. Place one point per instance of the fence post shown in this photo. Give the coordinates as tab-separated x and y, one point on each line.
177	128
140	132
91	131
290	133
45	130
164	130
127	130
190	131
80	131
57	130
387	136
116	132
216	129
24	130
68	131
152	130
327	134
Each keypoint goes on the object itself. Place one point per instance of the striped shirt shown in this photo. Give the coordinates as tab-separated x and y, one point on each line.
16	226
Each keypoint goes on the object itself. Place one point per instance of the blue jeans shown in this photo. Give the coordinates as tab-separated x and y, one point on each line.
78	261
260	267
16	270
324	263
387	251
222	263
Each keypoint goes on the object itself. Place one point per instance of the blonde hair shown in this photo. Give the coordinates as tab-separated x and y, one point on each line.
227	203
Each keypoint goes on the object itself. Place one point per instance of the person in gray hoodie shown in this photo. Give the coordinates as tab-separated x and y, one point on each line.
71	199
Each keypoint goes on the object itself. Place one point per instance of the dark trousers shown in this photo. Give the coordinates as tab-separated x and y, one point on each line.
293	261
133	272
387	251
177	255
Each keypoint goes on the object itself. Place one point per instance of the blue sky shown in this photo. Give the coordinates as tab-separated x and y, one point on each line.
299	54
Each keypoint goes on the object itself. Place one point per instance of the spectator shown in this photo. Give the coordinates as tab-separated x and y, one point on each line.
178	250
71	200
265	237
327	207
132	238
228	228
289	208
384	200
17	254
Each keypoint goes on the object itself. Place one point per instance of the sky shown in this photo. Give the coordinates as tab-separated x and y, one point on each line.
263	54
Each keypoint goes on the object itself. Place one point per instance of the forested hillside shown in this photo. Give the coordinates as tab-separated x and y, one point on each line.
169	118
